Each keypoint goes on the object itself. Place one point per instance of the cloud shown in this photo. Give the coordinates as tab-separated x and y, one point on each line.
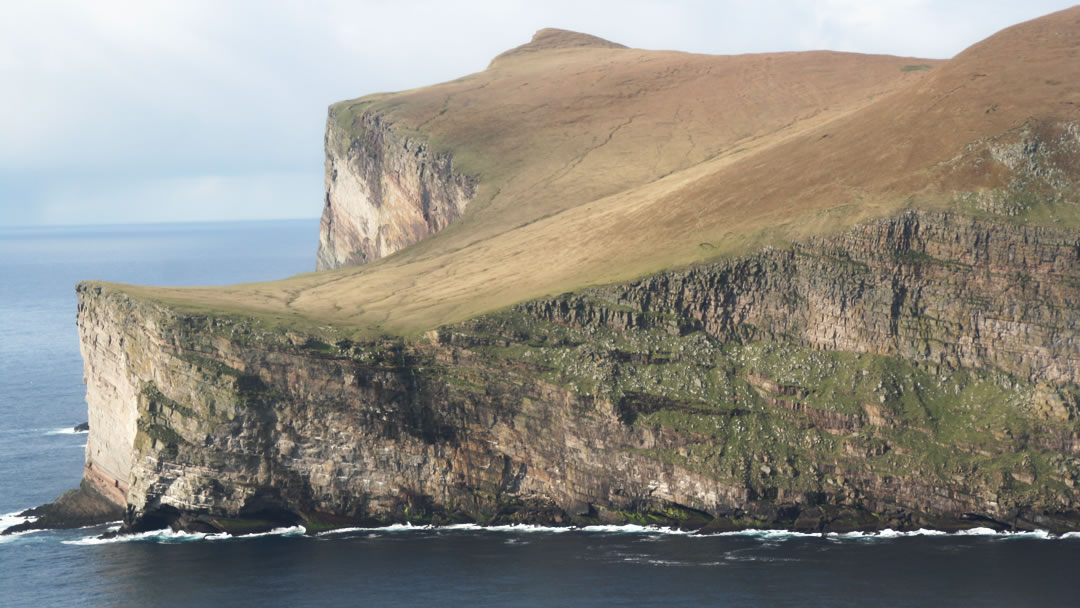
919	28
181	199
131	92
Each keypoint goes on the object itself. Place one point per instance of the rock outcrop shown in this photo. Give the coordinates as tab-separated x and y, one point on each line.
915	371
384	190
83	506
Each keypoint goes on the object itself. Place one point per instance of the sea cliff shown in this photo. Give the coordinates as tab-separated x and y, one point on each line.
919	370
384	190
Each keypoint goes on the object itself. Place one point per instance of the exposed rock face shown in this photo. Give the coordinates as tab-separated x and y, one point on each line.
915	371
942	289
384	191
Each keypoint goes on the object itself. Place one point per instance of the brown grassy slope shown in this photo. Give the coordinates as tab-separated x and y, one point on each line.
767	162
570	118
889	151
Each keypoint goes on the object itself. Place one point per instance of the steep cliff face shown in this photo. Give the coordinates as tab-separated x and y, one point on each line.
937	288
915	371
384	190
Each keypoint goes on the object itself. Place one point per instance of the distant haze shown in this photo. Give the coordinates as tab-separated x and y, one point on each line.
114	111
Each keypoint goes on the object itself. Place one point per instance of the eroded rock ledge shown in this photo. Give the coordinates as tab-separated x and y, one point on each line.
384	190
916	371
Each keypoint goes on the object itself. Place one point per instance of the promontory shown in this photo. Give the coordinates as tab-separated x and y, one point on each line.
597	284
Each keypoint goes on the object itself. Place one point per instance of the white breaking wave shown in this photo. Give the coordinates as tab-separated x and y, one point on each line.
290	531
168	536
68	430
342	531
392	528
1040	534
636	529
463	527
513	528
887	533
165	535
978	532
767	534
407	527
517	529
13	519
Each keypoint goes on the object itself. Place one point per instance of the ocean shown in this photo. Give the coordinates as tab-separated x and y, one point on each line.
41	399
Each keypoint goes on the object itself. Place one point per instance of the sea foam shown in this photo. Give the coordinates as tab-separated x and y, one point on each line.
886	533
407	527
67	430
517	529
776	534
13	519
764	534
168	536
889	533
636	529
1039	534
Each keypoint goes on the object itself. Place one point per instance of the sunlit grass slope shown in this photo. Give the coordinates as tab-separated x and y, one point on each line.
599	163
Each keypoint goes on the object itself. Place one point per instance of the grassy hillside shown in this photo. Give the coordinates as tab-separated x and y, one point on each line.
599	163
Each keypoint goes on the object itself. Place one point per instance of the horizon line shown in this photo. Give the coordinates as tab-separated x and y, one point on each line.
157	223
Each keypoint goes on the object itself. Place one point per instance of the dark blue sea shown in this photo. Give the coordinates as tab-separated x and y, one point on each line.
41	398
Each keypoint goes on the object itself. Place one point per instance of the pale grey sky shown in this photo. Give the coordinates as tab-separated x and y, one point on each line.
116	111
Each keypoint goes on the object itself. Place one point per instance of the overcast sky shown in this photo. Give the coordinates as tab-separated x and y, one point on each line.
115	111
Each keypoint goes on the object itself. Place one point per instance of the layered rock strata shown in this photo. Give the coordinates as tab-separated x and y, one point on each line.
384	190
937	288
916	371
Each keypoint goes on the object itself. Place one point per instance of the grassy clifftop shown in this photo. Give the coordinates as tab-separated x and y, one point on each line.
598	164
